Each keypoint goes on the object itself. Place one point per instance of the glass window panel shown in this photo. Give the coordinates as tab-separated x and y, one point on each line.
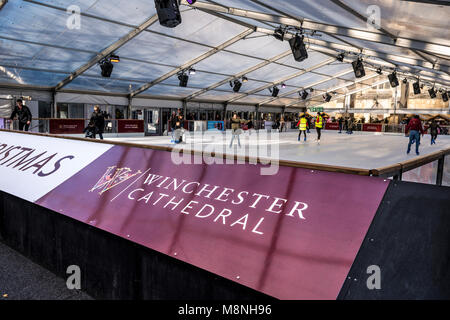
30	77
103	84
225	62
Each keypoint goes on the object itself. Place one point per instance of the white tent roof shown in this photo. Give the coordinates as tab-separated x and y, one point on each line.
222	41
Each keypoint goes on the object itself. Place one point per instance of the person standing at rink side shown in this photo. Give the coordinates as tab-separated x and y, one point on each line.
319	125
341	121
23	114
414	128
236	129
302	126
98	119
434	131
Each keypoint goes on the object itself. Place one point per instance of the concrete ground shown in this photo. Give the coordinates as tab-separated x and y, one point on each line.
22	279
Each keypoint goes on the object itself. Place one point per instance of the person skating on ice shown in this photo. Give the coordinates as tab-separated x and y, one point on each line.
302	126
319	125
236	129
415	129
434	127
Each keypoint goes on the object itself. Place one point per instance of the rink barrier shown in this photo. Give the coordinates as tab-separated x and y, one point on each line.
395	170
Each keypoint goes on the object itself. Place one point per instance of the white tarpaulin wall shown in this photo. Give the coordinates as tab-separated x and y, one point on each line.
221	44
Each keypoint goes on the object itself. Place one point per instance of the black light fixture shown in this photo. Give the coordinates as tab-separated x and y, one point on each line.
445	96
275	91
184	78
340	57
279	33
379	70
311	90
304	94
358	68
416	87
432	93
168	12
405	81
191	71
298	48
236	85
107	68
191	1
114	58
327	97
393	79
283	86
244	79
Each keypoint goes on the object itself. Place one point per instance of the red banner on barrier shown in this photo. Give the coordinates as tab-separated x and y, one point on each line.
332	126
130	126
372	127
293	235
66	126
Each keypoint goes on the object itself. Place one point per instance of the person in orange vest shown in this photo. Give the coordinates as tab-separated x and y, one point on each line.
302	124
319	125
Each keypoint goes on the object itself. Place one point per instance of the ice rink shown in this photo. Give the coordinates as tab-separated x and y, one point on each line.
361	150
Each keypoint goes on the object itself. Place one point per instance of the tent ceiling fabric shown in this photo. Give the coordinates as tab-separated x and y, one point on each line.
38	49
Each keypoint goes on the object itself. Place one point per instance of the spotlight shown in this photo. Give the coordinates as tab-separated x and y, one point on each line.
432	93
114	58
275	91
236	85
358	68
279	33
304	94
298	48
327	97
183	79
191	71
168	12
405	81
380	71
283	86
340	57
107	68
244	79
416	87
191	1
311	90
393	79
445	96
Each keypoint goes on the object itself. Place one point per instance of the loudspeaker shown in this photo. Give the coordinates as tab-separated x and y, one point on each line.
358	68
107	68
275	91
237	86
183	80
298	48
393	80
168	13
416	87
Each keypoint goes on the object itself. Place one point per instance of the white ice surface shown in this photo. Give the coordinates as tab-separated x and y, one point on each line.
362	150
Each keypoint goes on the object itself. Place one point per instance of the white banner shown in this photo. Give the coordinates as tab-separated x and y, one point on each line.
31	166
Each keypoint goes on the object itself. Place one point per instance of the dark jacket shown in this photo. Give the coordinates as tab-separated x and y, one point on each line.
23	115
434	127
99	121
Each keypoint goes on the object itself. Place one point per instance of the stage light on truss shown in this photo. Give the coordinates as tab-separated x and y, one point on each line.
236	85
244	79
327	97
358	68
283	86
432	93
114	58
107	67
298	48
340	57
304	94
191	1
444	96
380	71
192	71
279	33
184	78
405	81
168	13
416	87
275	91
393	80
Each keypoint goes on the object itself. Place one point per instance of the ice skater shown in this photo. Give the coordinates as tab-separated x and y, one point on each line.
236	129
319	125
302	126
341	120
434	127
415	129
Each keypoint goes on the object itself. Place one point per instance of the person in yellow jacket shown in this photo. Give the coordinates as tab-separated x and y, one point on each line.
319	125
302	125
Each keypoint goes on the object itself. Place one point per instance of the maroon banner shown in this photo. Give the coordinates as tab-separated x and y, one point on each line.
293	235
130	126
332	126
372	127
66	126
